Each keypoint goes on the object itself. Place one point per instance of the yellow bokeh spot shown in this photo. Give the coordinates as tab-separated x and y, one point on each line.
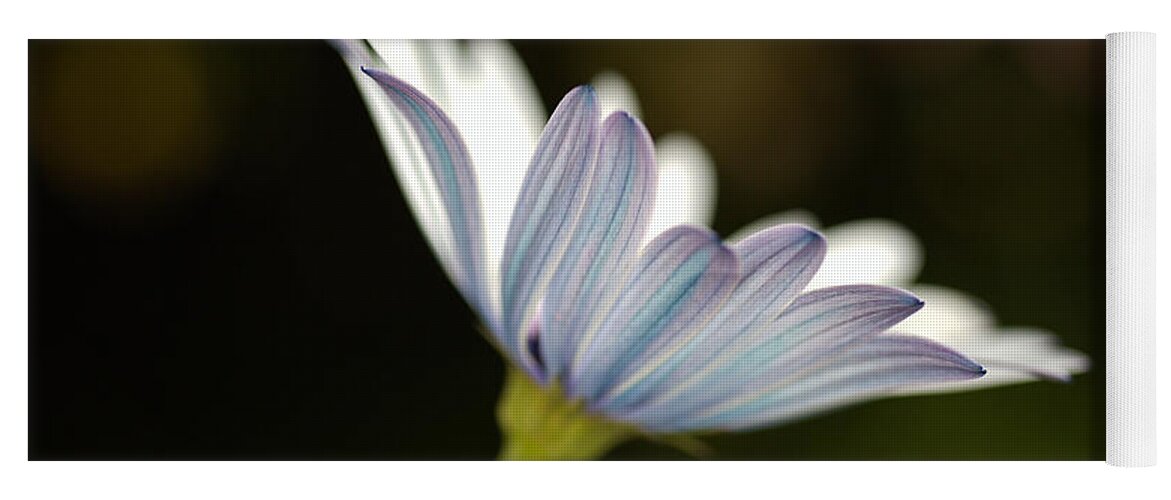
122	124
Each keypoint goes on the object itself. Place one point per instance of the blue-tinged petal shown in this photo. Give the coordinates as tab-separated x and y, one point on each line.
452	173
865	369
408	160
605	240
814	325
1011	355
778	262
681	279
550	199
775	266
484	89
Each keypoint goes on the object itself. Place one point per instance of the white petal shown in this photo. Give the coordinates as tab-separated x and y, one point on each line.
406	155
451	169
871	251
616	94
501	118
948	316
884	252
401	60
874	251
489	96
687	184
1011	355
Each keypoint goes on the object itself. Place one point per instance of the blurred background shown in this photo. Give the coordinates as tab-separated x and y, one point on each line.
223	267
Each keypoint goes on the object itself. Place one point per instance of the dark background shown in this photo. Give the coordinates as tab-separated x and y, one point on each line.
222	265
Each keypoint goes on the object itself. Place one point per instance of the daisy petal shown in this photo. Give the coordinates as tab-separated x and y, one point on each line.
501	117
680	280
874	251
796	216
775	266
486	91
868	368
451	171
543	219
604	242
778	263
824	319
616	94
1011	355
814	325
877	251
435	67
687	179
687	184
407	158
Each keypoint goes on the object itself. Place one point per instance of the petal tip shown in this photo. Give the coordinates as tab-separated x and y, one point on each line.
623	119
585	91
911	300
378	75
810	235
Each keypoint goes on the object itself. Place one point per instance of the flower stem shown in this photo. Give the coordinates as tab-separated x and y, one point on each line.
539	423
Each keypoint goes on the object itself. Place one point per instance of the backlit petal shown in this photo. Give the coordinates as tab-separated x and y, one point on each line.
816	324
681	279
451	170
873	251
687	174
486	91
1011	355
868	368
616	94
687	184
545	214
775	266
605	240
876	251
407	158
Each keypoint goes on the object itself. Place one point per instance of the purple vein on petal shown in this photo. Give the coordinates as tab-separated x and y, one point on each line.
682	277
866	368
814	324
776	264
453	173
546	210
604	242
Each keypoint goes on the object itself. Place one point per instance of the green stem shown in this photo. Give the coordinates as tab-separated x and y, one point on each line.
539	423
